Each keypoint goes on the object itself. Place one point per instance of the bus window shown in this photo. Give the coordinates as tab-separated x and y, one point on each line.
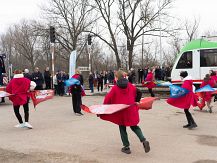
208	58
185	61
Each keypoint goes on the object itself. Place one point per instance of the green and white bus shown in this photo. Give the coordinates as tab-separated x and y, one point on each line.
197	58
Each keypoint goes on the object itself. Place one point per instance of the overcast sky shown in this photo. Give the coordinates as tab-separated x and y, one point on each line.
12	11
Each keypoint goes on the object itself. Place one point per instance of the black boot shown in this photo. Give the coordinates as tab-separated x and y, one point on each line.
3	100
186	126
189	122
193	124
126	150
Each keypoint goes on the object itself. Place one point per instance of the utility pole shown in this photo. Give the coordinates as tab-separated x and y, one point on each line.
89	42
52	50
142	49
161	62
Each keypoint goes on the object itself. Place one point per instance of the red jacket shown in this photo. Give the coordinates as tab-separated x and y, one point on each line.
117	95
207	96
186	101
19	87
214	77
149	79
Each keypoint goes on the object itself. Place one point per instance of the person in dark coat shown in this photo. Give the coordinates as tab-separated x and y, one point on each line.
100	78
111	76
145	72
3	82
38	79
47	78
158	73
132	76
91	82
27	74
140	75
60	81
76	91
2	66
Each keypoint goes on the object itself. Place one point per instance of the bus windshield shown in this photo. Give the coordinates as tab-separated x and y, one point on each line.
185	61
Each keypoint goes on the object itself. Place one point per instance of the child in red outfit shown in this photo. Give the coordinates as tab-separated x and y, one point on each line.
150	82
207	96
214	77
186	101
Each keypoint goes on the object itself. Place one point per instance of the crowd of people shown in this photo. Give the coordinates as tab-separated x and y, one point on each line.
100	79
44	80
123	92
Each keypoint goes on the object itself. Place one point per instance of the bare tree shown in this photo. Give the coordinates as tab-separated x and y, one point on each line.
141	17
25	40
191	29
105	8
71	18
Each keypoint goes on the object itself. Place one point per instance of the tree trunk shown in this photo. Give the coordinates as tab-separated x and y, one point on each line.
118	60
130	56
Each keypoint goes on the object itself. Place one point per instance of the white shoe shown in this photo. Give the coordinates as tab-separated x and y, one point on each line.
28	125
21	125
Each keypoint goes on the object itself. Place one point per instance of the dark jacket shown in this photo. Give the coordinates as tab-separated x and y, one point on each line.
38	78
100	78
61	78
91	79
2	65
28	76
47	76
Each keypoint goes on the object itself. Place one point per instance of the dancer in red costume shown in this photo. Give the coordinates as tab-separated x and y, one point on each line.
19	87
150	82
187	100
214	77
125	93
207	96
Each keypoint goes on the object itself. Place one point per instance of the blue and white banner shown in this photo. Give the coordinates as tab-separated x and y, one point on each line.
163	83
176	91
206	88
72	81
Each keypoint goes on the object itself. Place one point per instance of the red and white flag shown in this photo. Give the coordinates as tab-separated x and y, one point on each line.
145	104
104	109
39	96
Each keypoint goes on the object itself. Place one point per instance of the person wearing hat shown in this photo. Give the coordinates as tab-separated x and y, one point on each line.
185	102
19	87
125	93
27	75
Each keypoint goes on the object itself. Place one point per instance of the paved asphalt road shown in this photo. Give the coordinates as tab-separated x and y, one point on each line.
61	137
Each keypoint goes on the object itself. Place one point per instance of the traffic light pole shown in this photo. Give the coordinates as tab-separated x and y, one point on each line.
89	42
52	49
89	54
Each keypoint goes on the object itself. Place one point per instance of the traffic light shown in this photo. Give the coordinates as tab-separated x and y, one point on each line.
89	39
52	34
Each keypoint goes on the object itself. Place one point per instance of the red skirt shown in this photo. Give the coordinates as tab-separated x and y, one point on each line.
184	102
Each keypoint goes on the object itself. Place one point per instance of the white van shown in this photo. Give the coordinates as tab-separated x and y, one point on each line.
197	58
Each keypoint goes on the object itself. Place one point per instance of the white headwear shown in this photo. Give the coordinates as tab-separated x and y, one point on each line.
26	71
